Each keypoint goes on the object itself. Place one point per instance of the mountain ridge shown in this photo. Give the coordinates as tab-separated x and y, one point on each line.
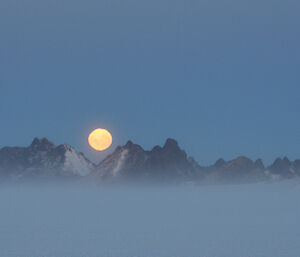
42	158
132	161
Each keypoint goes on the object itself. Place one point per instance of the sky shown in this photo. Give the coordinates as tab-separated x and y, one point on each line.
221	77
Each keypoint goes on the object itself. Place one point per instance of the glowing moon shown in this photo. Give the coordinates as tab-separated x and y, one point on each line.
100	139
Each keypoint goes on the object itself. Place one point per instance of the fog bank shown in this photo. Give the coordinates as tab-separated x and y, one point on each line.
244	220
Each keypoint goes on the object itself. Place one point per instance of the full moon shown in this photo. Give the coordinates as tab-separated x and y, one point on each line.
100	139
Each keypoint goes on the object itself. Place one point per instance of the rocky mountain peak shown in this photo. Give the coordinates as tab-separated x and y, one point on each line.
42	144
156	149
43	159
243	159
129	144
259	163
220	162
130	147
282	167
240	169
131	160
171	144
286	160
281	164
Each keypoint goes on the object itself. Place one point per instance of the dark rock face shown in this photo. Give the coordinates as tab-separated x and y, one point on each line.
241	169
296	166
259	164
169	163
132	161
41	145
42	158
219	163
284	168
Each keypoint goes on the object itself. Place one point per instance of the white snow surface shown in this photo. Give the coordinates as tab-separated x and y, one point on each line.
76	163
120	162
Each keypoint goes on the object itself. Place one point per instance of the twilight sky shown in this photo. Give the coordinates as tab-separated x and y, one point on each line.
221	77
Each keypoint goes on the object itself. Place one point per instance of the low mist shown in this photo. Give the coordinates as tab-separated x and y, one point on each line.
205	221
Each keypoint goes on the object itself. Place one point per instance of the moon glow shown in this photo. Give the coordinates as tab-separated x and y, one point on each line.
100	139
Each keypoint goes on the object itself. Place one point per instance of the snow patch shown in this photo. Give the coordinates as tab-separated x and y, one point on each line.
76	163
120	162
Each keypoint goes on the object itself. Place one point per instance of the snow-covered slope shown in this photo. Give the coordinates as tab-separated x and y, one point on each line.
76	162
43	159
131	161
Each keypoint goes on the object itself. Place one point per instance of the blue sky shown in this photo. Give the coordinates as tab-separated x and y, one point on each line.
221	77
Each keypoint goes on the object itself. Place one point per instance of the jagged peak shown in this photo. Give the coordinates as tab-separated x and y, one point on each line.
65	147
156	149
129	143
171	144
241	161
279	160
297	162
243	158
259	163
131	146
220	162
42	144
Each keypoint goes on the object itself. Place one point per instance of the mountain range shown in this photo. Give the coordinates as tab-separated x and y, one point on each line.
169	163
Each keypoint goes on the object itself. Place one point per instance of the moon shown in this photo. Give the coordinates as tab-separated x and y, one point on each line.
100	139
